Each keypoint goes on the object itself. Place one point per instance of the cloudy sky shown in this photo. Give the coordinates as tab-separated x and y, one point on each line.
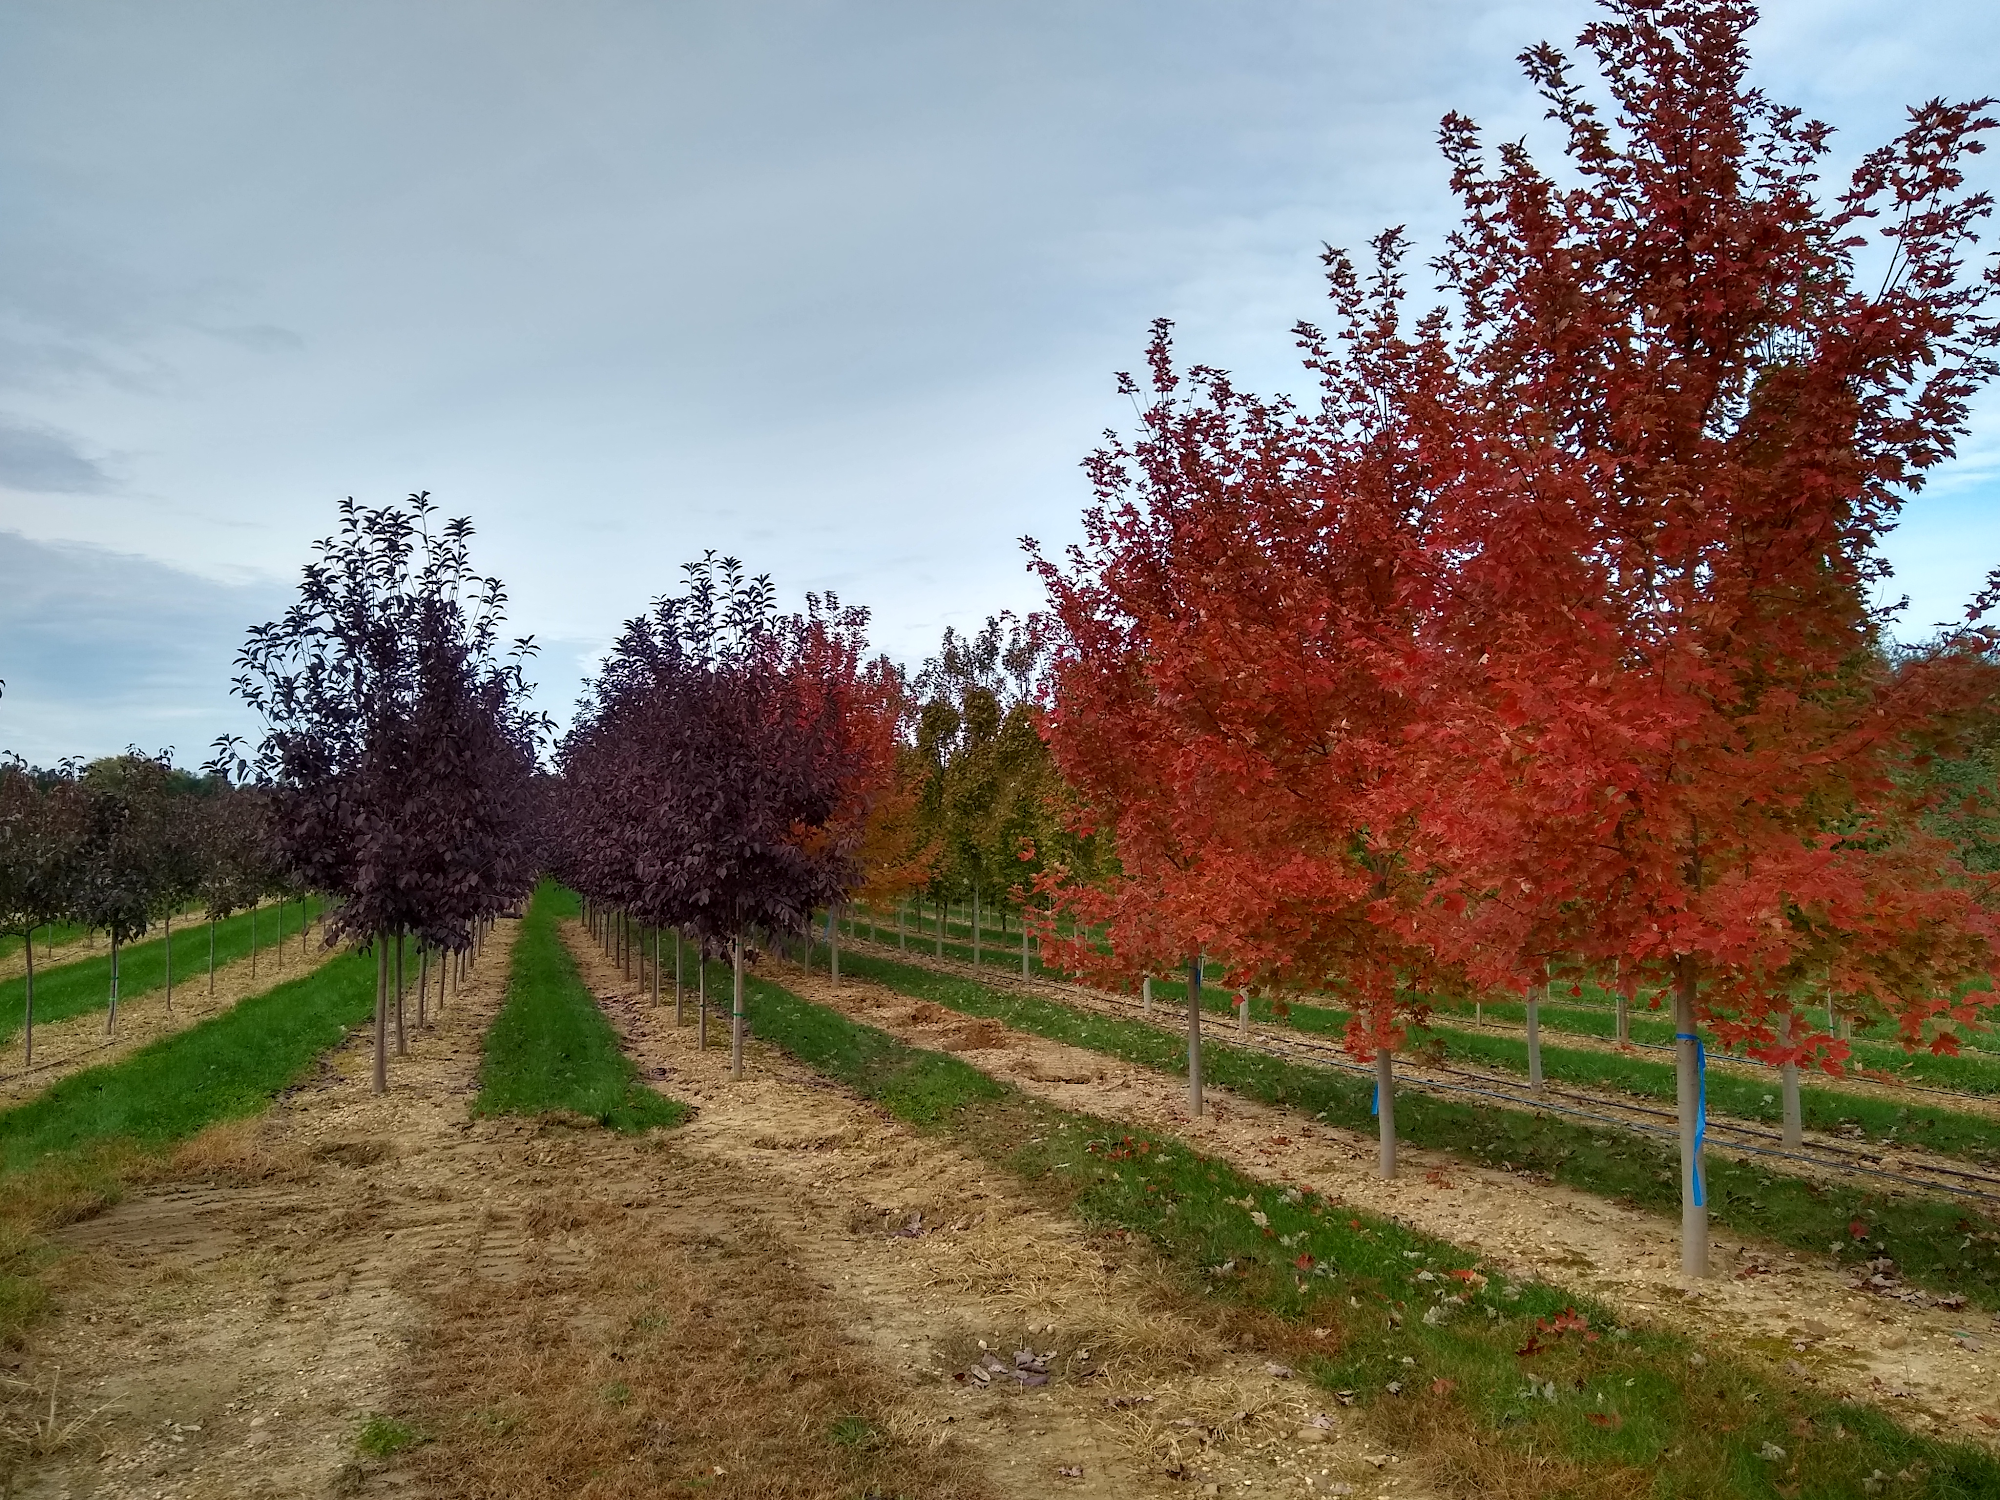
838	287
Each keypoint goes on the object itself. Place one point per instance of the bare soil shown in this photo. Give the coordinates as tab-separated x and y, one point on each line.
550	1308
1935	1369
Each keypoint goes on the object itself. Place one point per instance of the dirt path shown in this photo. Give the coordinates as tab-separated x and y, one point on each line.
934	1260
224	1335
78	1042
1937	1369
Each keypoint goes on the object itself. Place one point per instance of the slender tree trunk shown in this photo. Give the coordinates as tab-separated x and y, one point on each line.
253	940
211	955
111	1016
736	1015
278	943
656	968
1624	1020
28	1019
1146	996
833	945
381	1012
1789	1074
1194	1036
680	1018
1385	1111
402	1038
975	924
701	1000
902	926
943	911
1243	1014
170	962
1691	1108
1535	1034
1024	943
423	982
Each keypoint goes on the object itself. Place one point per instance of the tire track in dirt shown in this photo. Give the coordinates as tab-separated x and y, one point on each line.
1799	1319
925	1251
231	1330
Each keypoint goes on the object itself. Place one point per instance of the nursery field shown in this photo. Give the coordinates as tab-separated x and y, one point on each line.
949	1235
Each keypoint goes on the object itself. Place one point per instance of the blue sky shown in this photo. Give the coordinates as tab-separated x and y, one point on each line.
838	287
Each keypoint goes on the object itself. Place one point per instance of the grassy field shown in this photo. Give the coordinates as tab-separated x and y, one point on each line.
227	1066
84	984
1435	1352
1917	1122
1975	1070
1942	1245
550	1049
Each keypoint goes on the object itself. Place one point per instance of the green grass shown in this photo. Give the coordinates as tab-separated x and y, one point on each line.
385	1437
59	933
1976	1070
1757	1098
227	1067
551	1049
1417	1345
84	984
1941	1245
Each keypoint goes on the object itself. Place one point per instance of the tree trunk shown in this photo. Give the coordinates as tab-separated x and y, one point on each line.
170	962
736	1015
1535	1035
423	982
943	910
1194	1036
381	1012
1024	943
902	926
1691	1102
833	945
28	1019
975	924
1624	1020
656	968
402	1037
1146	996
701	1000
1243	1014
253	939
111	1016
211	955
1794	1115
1385	1111
680	1017
278	943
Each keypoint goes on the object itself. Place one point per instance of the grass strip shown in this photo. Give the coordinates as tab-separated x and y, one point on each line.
1945	1131
550	1049
1435	1350
84	984
227	1067
1945	1247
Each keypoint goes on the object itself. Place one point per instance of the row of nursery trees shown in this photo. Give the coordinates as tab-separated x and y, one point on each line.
1542	643
122	845
725	770
399	758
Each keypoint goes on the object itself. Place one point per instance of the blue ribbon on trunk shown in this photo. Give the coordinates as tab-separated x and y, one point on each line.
1701	1109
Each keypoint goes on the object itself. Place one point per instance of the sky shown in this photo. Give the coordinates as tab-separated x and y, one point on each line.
838	288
